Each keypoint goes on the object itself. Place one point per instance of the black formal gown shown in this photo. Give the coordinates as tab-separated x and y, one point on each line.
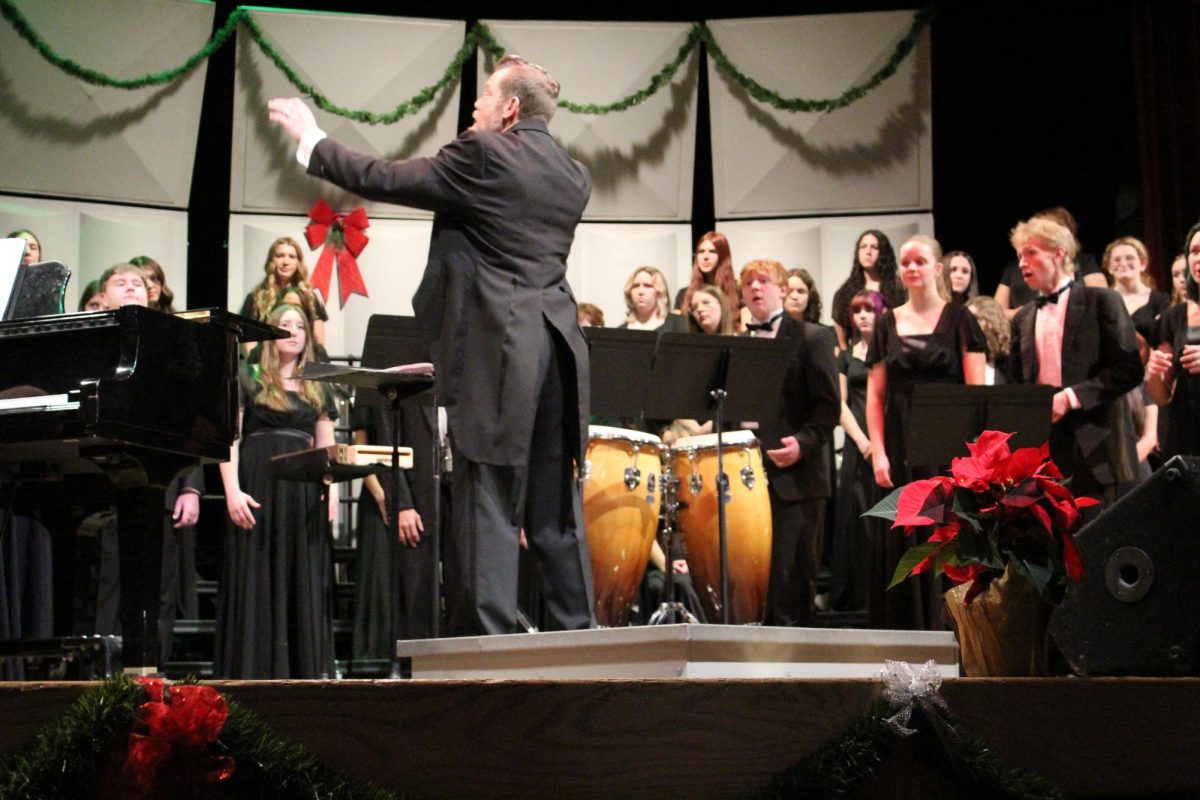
911	360
274	610
857	492
1183	426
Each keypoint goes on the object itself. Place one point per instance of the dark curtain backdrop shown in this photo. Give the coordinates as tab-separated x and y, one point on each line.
1166	66
1091	104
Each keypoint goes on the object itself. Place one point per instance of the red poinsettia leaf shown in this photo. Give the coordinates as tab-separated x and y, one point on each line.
1022	464
1043	518
1050	469
944	533
923	502
970	473
962	573
1086	502
975	589
990	447
1061	505
1071	560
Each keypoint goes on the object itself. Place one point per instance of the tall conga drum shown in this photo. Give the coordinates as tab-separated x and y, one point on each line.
621	477
747	522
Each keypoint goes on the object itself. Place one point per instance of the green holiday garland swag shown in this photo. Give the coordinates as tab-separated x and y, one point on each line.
89	752
479	37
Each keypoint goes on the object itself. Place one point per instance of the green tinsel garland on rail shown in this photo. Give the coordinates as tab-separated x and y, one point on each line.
480	36
65	758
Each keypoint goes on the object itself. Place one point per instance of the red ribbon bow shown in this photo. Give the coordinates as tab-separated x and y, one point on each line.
170	741
343	237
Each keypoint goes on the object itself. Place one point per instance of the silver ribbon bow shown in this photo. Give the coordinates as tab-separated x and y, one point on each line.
906	685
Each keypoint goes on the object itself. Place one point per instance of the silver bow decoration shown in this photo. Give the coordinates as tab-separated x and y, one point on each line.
906	685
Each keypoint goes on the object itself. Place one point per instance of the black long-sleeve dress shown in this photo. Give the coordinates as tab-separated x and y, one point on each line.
857	492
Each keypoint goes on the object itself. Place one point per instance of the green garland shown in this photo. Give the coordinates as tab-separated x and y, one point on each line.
796	104
480	36
64	759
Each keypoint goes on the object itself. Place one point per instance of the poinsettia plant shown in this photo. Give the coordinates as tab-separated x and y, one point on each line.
996	507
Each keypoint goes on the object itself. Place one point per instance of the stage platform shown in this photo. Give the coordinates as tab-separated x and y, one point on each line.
692	738
676	651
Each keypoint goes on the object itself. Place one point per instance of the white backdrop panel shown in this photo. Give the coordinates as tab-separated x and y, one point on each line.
822	245
358	62
641	159
604	255
91	237
874	155
391	265
65	137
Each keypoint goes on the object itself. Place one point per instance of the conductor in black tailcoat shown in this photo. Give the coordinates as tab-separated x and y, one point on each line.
502	328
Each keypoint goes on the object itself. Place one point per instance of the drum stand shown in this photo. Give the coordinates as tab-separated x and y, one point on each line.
670	611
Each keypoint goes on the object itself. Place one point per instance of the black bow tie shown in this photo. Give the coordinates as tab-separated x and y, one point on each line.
769	325
1052	297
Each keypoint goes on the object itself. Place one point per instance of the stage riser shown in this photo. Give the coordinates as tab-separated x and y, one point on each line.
694	739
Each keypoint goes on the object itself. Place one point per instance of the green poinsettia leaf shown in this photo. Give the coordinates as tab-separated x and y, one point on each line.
915	555
1040	575
886	508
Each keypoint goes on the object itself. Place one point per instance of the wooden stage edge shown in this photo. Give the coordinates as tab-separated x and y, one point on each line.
695	738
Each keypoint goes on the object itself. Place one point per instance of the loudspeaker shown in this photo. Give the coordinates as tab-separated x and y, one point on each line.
1136	611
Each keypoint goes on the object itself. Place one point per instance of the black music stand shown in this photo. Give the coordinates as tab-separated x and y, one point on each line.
394	340
946	416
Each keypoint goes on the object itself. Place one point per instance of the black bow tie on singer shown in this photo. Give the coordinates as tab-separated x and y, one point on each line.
1052	297
769	325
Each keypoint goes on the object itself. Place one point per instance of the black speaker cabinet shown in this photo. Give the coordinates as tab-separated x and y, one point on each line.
1136	610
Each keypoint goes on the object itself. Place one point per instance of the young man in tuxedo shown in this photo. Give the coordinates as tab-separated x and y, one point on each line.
794	443
1080	340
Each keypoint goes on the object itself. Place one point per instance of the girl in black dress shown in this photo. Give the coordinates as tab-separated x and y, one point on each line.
1173	372
874	267
850	560
1127	263
926	340
274	609
712	265
285	270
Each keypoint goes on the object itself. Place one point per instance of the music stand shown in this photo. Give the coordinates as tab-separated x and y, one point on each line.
393	339
945	416
623	358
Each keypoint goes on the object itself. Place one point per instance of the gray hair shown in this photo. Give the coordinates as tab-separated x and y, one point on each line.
535	89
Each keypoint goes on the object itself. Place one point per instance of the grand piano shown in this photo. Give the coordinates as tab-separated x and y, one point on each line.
132	395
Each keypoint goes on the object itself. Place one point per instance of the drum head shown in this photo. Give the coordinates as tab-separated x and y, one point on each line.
709	441
621	434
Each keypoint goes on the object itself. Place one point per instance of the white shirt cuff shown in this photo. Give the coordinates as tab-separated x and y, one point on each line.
307	142
1072	399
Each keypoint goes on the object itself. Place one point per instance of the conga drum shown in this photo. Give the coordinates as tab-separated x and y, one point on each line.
747	522
621	477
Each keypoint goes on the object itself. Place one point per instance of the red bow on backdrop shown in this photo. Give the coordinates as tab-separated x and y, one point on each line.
344	239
